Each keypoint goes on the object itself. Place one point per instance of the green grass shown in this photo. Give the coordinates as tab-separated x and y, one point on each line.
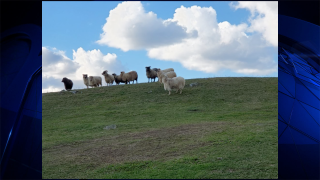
222	128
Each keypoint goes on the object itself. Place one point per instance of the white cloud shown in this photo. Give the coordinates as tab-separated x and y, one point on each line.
264	18
229	33
202	43
94	62
130	27
57	65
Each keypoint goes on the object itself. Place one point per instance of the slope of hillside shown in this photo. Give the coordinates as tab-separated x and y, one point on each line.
221	128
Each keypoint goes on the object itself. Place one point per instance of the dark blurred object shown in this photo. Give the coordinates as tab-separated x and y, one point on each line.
14	13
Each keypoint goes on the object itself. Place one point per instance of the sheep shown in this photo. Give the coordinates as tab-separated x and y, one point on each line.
108	78
170	74
151	73
95	81
117	79
177	83
160	72
130	76
86	80
67	83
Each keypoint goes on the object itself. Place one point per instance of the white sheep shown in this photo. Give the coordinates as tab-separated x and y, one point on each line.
177	83
86	80
160	72
94	82
108	77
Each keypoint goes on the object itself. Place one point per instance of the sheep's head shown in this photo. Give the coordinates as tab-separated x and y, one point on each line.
148	68
164	78
122	73
64	79
85	75
104	72
155	69
114	74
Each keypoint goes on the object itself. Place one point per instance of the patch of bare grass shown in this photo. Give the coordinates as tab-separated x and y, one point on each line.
158	144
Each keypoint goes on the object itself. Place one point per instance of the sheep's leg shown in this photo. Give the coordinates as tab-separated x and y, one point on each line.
169	92
180	91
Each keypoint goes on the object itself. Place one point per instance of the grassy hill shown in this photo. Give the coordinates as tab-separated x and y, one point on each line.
221	128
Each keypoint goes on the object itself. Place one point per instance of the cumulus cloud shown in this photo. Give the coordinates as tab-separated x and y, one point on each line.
264	18
94	62
57	65
201	42
130	27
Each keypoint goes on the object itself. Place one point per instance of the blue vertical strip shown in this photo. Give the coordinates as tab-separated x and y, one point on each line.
21	72
299	93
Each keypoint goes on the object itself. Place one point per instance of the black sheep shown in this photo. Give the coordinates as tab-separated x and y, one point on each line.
117	79
67	83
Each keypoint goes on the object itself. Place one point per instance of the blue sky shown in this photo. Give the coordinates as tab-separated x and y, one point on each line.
67	26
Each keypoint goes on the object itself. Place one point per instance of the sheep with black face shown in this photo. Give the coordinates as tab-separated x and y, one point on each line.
151	73
117	79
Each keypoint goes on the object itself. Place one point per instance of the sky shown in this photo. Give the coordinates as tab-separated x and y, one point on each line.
197	39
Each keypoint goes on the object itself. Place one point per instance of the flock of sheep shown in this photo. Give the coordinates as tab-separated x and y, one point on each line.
167	77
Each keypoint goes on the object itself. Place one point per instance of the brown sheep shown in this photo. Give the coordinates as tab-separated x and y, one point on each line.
160	72
130	76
